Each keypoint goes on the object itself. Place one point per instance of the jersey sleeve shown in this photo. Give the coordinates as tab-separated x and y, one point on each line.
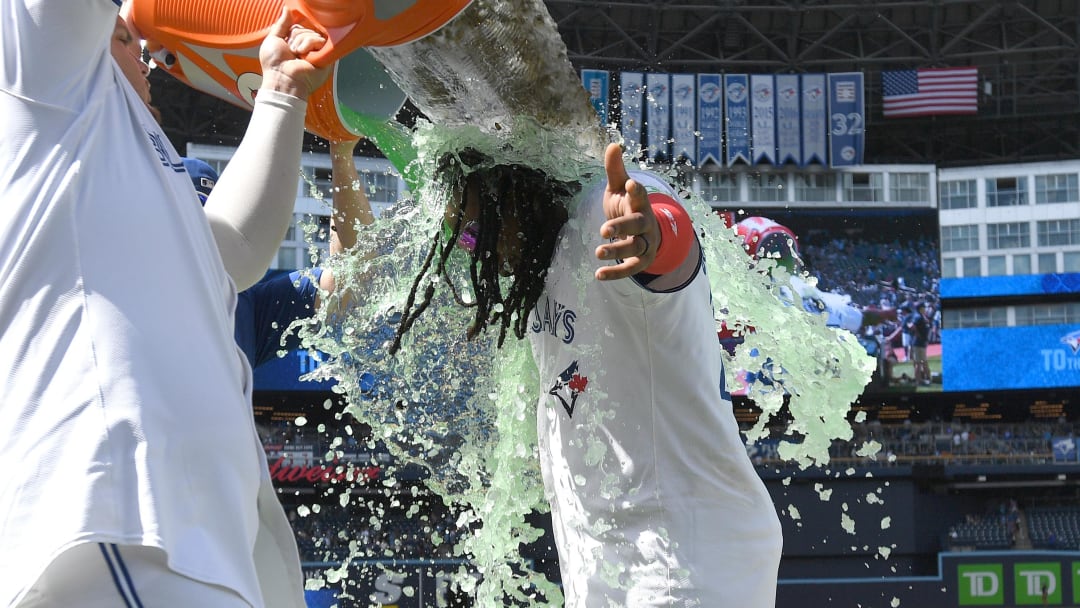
277	301
54	49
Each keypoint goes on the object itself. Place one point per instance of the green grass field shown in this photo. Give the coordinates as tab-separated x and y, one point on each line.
897	383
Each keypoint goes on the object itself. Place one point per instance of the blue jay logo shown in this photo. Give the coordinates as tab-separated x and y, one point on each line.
710	92
736	92
1073	341
568	386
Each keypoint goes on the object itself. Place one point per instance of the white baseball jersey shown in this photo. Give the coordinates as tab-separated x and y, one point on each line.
125	402
654	500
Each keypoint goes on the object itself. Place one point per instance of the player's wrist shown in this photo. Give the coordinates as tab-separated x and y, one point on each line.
676	234
281	82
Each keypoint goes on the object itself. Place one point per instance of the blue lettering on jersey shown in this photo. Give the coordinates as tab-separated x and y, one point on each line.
555	319
162	150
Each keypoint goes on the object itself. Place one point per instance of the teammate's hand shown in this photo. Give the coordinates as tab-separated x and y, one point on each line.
631	224
282	57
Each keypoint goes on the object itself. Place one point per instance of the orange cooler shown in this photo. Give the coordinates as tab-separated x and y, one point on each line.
213	46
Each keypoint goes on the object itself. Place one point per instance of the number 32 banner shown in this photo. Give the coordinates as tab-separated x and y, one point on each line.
846	119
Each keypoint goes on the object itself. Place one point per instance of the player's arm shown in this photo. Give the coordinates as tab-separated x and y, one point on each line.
252	204
663	245
49	47
351	205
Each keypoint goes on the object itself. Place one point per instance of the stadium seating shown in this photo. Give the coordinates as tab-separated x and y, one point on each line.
1054	527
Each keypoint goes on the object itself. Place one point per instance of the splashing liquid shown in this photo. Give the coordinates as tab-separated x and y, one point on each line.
497	79
495	62
465	410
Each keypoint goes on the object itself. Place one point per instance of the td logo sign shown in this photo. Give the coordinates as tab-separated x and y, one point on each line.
1033	584
1034	580
981	584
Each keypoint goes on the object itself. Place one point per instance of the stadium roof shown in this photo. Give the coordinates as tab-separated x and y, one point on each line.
1027	53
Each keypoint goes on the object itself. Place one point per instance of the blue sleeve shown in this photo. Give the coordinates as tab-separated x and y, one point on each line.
266	310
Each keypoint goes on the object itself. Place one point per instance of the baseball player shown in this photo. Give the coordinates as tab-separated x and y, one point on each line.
141	479
654	501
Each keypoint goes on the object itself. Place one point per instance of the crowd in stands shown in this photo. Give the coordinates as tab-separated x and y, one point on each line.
947	442
409	523
998	527
881	274
901	443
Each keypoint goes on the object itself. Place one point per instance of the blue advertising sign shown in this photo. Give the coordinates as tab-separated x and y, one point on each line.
815	120
788	119
710	95
1001	358
847	118
1015	285
284	373
763	118
737	117
596	82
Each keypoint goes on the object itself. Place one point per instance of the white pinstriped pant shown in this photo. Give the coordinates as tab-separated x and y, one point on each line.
103	575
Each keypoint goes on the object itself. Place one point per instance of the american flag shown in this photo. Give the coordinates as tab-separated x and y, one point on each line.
930	91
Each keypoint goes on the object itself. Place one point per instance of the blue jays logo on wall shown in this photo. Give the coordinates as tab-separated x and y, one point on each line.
814	93
1064	449
568	387
762	92
788	93
710	92
736	92
659	90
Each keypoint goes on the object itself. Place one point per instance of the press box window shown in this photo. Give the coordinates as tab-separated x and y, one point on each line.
1006	192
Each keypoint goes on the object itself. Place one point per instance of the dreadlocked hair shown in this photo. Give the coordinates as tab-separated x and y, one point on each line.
536	201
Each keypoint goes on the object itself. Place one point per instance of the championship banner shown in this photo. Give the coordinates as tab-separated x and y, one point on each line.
658	115
596	83
788	127
815	123
737	111
846	117
683	114
762	119
710	118
631	87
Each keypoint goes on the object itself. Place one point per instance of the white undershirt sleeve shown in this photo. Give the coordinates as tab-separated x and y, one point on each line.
251	206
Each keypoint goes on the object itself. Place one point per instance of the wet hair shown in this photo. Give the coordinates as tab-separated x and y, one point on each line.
536	201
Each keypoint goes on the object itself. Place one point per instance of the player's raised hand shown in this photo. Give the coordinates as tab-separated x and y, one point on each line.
631	225
282	57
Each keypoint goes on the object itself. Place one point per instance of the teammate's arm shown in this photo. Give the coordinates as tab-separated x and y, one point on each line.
49	47
351	205
252	204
